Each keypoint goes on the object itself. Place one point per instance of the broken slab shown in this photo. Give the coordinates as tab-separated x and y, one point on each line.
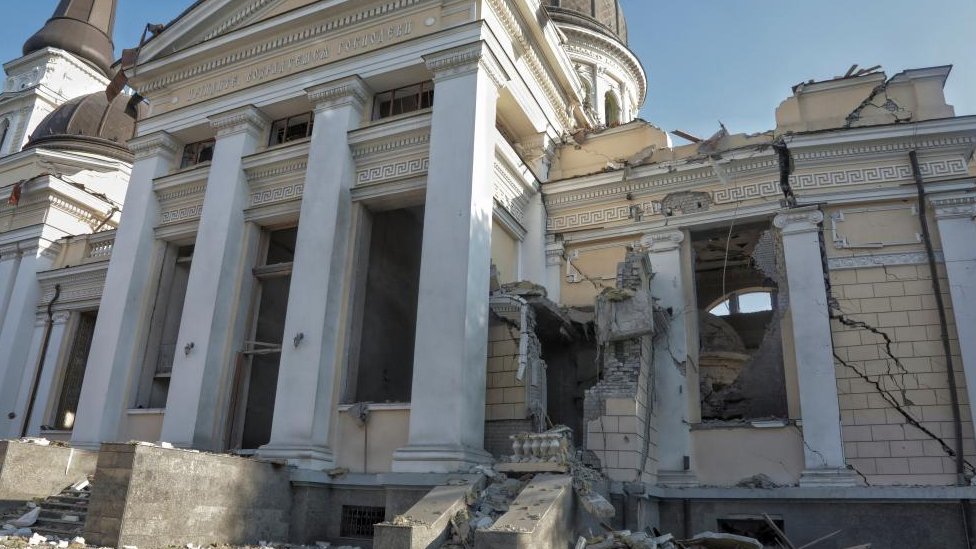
428	523
712	540
540	517
30	470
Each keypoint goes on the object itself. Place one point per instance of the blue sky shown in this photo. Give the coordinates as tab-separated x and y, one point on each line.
711	60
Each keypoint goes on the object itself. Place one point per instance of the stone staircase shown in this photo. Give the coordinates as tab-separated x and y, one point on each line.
62	515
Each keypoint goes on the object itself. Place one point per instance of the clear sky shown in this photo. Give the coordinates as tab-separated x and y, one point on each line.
711	60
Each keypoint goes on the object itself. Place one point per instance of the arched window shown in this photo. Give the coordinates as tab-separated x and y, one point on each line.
744	301
612	109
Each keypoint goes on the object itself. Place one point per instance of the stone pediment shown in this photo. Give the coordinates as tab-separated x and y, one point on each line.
209	19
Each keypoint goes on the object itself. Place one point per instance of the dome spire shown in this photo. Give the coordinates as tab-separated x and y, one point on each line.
82	27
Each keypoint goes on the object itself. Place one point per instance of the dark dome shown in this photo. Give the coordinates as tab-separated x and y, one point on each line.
82	27
607	14
88	122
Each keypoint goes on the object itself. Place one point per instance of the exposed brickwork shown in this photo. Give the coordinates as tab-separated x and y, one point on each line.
899	301
506	397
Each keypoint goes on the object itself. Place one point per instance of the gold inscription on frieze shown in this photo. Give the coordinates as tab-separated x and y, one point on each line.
323	52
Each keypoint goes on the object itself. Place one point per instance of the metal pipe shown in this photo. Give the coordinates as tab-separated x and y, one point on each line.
943	323
40	363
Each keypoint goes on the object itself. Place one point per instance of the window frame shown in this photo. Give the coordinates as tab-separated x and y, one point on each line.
423	99
196	149
286	125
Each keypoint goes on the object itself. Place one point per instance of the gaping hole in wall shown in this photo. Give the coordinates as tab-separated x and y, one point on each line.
740	323
569	349
263	350
384	369
74	371
165	327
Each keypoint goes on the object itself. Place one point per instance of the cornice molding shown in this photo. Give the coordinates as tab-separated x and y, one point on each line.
154	144
954	206
464	60
244	119
881	260
350	91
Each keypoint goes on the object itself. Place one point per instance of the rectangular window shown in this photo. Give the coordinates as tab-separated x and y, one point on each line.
165	327
257	377
403	100
74	372
196	153
291	128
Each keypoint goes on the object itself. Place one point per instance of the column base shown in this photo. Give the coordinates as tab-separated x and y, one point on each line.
814	478
677	479
303	456
439	459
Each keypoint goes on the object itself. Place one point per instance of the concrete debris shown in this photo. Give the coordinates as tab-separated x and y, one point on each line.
623	314
625	539
524	289
360	412
712	540
484	507
36	539
27	519
597	505
759	481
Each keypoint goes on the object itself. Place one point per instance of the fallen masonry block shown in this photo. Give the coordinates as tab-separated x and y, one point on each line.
428	523
541	516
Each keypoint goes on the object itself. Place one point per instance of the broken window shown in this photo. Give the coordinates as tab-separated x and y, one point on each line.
291	128
258	375
74	372
403	100
382	357
737	279
164	327
197	153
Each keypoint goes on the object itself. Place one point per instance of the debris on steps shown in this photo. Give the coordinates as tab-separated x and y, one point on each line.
59	519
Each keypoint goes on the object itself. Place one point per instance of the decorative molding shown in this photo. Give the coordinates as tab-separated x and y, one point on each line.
555	249
154	144
350	91
518	31
611	214
882	260
278	193
181	214
888	147
81	286
799	220
393	170
244	119
662	241
954	206
465	60
509	192
386	146
181	200
602	52
301	35
877	174
278	170
182	191
237	18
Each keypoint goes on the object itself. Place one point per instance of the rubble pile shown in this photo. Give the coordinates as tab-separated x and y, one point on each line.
485	506
645	540
58	519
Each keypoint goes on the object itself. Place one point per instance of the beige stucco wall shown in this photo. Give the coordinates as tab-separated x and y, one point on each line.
369	449
595	267
899	301
504	253
725	457
142	425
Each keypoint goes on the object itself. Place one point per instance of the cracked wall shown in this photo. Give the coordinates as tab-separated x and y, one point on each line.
894	398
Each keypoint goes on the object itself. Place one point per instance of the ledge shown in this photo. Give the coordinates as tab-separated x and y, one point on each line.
848	494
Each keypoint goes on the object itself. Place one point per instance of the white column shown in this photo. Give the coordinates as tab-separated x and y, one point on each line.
49	372
447	414
118	342
956	217
206	350
671	360
554	251
533	246
807	293
309	376
9	263
15	336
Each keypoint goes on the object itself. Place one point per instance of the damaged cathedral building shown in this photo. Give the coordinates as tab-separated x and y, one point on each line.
408	273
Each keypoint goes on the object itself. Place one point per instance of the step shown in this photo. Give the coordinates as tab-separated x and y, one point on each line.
68	499
61	506
47	514
57	532
57	521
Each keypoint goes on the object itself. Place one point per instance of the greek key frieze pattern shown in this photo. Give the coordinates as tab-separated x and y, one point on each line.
271	195
395	170
602	215
181	214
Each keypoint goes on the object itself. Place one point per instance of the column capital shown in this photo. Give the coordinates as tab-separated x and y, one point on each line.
662	241
60	317
955	205
244	119
464	60
799	220
554	253
153	144
350	91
